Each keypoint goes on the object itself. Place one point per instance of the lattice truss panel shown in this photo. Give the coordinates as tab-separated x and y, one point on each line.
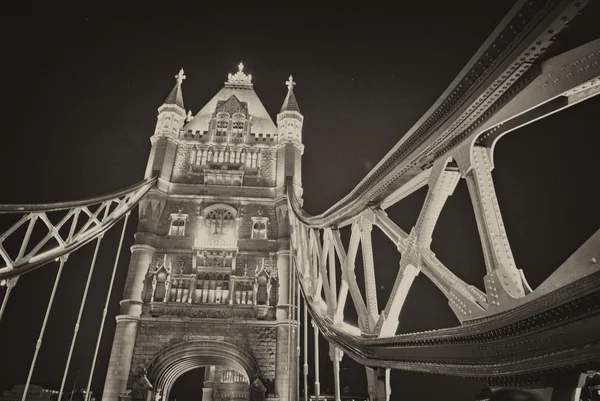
33	235
317	252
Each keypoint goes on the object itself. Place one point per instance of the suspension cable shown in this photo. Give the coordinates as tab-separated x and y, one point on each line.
104	312
81	307
10	283
305	351
38	344
298	300
317	383
289	322
292	321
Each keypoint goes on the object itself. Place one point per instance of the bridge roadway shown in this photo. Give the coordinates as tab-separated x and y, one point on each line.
554	331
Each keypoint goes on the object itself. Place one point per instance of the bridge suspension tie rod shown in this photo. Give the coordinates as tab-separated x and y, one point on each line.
317	382
38	345
81	307
104	312
10	283
305	371
298	301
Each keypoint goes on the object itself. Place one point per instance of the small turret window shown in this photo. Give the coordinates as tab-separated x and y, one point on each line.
259	227
178	222
177	227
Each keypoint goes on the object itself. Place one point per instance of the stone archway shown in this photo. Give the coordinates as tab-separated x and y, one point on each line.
171	362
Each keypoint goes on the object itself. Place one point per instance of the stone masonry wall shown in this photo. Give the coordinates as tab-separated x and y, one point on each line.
191	208
152	337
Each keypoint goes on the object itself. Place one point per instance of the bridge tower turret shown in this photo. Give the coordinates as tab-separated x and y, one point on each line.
289	125
170	119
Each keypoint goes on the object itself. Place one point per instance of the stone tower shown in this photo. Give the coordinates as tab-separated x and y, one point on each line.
207	284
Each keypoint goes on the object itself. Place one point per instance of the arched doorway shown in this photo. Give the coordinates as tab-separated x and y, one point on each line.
211	383
189	386
172	362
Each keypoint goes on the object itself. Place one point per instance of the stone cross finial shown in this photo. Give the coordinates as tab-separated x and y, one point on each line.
180	77
290	83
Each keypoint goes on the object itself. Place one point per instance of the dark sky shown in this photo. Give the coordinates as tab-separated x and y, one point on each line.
80	100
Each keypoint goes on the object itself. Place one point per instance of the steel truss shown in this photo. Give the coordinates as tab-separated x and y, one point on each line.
72	226
439	151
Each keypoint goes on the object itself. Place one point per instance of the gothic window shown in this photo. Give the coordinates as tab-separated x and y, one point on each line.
222	128
259	230
219	220
243	293
178	221
177	227
259	227
253	159
238	129
200	156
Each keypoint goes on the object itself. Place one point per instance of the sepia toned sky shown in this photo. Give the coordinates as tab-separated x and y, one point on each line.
80	99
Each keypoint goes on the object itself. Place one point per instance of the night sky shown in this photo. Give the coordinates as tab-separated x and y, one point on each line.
80	100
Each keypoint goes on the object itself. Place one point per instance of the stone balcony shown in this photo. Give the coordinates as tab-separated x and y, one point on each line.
215	242
214	311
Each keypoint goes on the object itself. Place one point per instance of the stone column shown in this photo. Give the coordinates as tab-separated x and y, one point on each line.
283	270
209	377
285	374
285	354
378	380
119	365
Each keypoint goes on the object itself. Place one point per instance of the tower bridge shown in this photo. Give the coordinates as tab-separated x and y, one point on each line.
227	266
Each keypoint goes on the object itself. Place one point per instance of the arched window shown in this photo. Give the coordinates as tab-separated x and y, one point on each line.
219	220
222	126
178	221
177	227
238	129
259	227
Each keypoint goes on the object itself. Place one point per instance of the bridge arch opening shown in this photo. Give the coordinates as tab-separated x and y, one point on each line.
224	362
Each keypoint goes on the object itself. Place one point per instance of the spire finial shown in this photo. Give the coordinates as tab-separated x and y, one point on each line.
290	83
239	77
180	77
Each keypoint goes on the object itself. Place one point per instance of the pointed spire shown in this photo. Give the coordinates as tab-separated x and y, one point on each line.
176	96
290	103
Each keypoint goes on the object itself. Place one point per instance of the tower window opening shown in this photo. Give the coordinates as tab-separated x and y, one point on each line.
222	128
238	129
259	227
177	226
219	221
